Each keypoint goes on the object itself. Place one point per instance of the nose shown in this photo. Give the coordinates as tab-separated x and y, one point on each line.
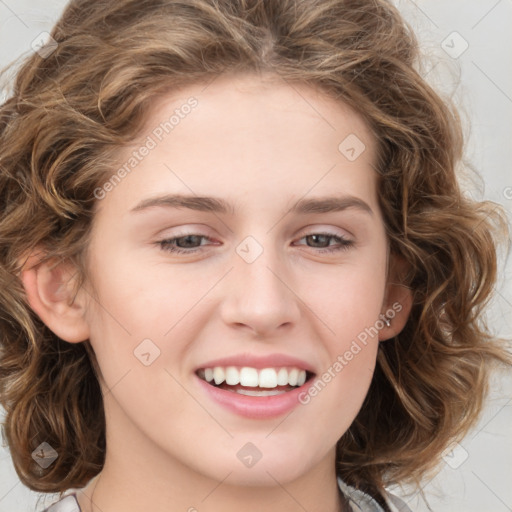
259	295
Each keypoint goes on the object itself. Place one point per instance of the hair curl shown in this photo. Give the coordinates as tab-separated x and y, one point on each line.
70	113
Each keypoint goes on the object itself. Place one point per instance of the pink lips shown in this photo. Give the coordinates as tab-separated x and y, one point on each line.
259	362
256	407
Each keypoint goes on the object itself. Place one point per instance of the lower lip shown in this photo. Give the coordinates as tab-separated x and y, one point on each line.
256	407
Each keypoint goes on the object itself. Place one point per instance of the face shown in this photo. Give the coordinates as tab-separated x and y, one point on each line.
263	284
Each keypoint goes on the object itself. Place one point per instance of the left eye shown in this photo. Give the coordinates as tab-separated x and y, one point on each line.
344	243
188	244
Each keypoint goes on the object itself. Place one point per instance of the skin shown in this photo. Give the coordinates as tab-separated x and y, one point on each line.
261	144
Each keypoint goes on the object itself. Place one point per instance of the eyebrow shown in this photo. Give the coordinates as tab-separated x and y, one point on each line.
217	205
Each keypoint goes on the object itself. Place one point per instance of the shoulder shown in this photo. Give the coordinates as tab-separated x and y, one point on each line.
67	504
362	502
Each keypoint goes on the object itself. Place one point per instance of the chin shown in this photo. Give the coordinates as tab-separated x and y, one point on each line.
276	466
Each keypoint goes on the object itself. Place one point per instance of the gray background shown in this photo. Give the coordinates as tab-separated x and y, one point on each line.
476	475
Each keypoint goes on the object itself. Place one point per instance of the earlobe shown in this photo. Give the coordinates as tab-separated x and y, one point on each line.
397	301
49	289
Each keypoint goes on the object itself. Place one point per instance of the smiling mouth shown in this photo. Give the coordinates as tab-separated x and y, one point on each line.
255	382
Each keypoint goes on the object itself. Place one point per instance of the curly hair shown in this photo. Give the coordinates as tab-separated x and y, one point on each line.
70	112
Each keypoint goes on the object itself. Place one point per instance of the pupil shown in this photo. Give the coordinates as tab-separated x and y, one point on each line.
187	239
316	237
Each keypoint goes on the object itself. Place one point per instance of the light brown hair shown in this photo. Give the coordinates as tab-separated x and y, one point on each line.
70	113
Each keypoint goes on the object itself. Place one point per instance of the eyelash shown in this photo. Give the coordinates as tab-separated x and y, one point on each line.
166	245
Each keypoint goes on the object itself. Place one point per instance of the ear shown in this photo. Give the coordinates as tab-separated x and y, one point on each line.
397	302
49	287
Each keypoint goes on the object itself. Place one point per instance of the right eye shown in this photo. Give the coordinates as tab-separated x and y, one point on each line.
174	245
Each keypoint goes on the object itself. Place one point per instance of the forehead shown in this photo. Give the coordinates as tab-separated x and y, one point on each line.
250	136
259	101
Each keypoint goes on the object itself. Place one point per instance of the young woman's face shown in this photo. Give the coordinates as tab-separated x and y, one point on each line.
269	282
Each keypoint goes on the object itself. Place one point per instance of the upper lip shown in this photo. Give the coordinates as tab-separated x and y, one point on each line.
259	362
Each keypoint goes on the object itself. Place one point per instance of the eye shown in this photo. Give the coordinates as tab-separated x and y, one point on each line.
191	243
323	238
186	244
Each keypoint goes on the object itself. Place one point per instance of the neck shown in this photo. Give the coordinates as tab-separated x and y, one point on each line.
103	495
140	475
132	482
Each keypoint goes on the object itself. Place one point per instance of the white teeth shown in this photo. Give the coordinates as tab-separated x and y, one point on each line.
218	375
282	377
266	378
293	376
232	376
249	377
251	392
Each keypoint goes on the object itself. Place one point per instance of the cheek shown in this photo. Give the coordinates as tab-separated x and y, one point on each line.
348	299
349	303
143	309
141	299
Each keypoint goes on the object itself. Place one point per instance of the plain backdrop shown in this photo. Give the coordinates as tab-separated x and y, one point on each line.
467	46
